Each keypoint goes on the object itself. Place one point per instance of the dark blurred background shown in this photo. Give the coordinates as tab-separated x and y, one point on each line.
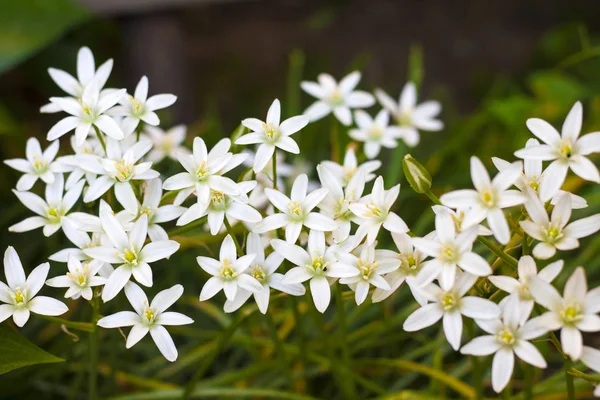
492	64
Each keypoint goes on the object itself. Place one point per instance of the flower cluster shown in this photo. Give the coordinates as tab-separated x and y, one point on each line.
330	233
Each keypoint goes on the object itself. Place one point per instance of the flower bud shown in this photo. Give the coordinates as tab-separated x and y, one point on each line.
416	174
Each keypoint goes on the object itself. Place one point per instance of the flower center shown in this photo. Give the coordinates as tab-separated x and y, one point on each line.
366	268
227	270
404	119
130	257
488	198
449	253
149	314
295	208
319	266
572	314
565	148
458	218
272	131
147	211
336	99
534	183
136	105
19	296
553	233
448	302
505	337
53	215
258	273
375	211
348	174
39	164
80	278
217	199
203	171
375	133
124	170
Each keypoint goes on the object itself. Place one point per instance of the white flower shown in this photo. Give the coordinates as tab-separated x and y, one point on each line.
459	216
450	250
228	273
317	264
37	165
263	270
129	252
71	163
520	288
344	173
156	213
141	107
409	262
337	97
488	199
373	211
374	132
554	233
566	150
80	279
450	305
336	205
50	212
296	212
166	144
204	172
271	134
86	72
409	116
149	317
573	313
19	295
532	176
591	358
90	110
118	169
369	268
506	338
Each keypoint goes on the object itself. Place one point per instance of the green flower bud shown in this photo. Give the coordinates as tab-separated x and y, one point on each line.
416	174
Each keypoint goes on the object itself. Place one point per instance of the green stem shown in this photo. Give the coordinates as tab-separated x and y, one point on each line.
569	378
232	234
208	361
341	316
274	162
525	246
529	375
100	138
433	197
93	347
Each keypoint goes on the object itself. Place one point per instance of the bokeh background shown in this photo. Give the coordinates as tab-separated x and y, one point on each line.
492	64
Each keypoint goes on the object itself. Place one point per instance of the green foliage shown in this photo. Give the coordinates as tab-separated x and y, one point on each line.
18	352
28	25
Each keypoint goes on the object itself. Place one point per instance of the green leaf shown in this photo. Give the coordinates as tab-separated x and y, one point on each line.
28	25
17	352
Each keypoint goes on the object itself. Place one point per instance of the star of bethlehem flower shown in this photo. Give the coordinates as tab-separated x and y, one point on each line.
86	72
556	232
149	317
450	305
204	172
317	264
296	211
37	165
573	313
409	116
368	268
373	212
507	337
156	213
408	261
20	293
345	172
519	288
117	170
140	107
227	273
80	279
51	211
336	97
375	132
87	112
532	175
166	143
336	204
566	150
70	163
488	199
129	252
263	270
459	216
449	251
271	134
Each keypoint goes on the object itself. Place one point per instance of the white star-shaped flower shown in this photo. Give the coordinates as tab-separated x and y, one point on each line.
375	132
272	134
80	279
149	317
37	165
409	116
20	293
345	172
166	143
566	150
336	97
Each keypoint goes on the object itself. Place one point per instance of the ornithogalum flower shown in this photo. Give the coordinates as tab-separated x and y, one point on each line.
37	165
80	279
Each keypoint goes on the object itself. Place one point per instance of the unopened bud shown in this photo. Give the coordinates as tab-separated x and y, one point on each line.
416	174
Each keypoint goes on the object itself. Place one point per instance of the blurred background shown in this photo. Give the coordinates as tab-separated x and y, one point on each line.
491	63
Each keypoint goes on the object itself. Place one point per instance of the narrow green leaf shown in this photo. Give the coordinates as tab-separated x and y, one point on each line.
17	352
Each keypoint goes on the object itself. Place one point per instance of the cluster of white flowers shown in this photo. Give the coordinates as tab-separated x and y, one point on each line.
329	233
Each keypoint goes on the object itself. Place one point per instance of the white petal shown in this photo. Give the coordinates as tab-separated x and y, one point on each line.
423	317
321	293
502	369
164	342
